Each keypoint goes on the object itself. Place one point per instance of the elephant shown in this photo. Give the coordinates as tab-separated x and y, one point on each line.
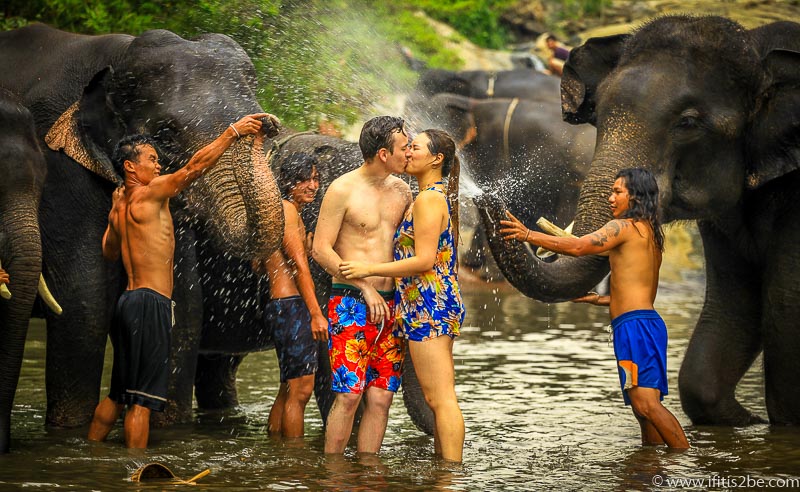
521	147
523	83
85	93
23	171
234	294
711	109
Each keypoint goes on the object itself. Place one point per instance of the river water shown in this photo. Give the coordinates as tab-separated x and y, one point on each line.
538	387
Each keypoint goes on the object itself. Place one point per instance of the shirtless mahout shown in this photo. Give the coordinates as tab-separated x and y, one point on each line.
293	315
140	231
634	243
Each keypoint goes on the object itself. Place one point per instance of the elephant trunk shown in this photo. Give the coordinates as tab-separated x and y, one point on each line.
21	253
567	277
240	201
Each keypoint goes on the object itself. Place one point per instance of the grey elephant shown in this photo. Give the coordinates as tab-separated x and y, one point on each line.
711	109
23	170
482	84
521	147
85	93
234	295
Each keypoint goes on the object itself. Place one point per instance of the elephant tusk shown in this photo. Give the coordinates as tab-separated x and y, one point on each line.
553	230
47	297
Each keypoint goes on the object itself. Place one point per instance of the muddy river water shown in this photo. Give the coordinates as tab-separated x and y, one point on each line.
540	396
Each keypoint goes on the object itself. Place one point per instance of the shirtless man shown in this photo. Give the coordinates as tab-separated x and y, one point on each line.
634	243
358	219
140	230
293	314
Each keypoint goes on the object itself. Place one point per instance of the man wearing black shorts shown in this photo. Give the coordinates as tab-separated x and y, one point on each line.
140	230
293	314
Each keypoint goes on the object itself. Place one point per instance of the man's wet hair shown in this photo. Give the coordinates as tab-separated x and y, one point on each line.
643	199
128	149
296	168
378	133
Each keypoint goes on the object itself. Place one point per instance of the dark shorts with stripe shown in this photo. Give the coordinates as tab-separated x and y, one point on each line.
140	334
290	322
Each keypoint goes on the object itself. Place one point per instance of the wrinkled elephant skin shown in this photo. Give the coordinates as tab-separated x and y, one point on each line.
85	93
711	108
23	170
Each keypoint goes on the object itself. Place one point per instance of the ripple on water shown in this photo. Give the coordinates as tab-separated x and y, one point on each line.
540	398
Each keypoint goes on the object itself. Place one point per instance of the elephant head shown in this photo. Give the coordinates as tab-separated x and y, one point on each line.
184	94
709	107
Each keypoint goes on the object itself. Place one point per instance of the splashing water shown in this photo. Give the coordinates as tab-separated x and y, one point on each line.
467	187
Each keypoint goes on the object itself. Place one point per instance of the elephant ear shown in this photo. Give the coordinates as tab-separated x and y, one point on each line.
774	139
89	128
585	69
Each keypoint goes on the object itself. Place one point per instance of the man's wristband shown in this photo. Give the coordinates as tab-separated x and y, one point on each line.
238	135
528	231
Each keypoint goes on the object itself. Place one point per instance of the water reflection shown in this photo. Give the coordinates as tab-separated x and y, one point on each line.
539	392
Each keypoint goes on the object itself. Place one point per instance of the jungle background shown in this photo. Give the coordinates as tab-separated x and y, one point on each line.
337	62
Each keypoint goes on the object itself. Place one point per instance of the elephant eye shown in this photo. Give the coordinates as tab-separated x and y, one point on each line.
689	119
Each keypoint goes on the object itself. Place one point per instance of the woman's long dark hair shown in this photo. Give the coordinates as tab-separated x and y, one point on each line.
440	142
643	203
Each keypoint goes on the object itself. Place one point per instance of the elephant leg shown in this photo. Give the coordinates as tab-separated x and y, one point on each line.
215	381
414	400
726	339
188	311
322	382
781	315
76	340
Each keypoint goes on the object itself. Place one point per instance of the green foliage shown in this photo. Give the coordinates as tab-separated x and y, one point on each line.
85	16
577	9
478	20
334	60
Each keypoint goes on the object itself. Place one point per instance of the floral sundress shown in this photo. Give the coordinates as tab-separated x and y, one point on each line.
428	305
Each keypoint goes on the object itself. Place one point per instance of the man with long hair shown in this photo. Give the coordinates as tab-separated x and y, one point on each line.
293	314
634	243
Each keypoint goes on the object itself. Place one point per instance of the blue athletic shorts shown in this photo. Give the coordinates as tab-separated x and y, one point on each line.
640	345
290	322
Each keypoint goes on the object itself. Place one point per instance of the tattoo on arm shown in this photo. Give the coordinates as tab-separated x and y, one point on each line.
612	229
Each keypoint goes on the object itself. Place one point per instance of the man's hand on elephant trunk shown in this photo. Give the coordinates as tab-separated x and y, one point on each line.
253	123
514	229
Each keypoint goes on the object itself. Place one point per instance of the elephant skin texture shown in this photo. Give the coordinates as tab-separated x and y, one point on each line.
711	109
23	172
234	296
85	93
519	149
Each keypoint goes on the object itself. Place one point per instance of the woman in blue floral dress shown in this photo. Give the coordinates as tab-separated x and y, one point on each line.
427	297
